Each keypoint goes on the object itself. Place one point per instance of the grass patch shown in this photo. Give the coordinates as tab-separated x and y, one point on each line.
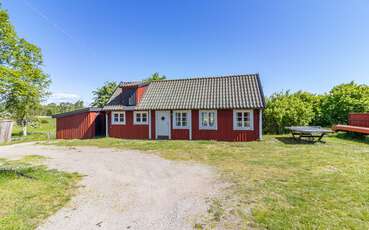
29	192
276	183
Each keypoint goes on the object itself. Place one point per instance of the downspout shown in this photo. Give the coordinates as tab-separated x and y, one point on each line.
106	124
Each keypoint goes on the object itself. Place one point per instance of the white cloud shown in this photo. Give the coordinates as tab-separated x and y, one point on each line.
63	97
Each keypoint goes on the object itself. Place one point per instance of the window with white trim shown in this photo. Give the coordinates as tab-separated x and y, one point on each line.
208	119
118	118
243	120
140	118
181	119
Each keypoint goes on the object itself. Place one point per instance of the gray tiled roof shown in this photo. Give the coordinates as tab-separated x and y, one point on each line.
228	92
119	99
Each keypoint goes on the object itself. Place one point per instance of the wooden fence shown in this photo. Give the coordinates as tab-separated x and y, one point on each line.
6	127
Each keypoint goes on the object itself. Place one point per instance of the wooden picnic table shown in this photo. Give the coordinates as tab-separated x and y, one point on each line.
313	133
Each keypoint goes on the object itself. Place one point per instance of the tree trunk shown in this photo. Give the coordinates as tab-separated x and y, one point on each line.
24	124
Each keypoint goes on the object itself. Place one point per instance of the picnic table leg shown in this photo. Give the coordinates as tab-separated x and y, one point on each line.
296	138
321	136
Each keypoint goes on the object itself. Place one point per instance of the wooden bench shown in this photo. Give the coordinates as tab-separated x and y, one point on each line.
358	123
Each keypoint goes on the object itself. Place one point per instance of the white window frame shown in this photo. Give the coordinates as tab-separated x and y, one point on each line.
174	123
135	122
215	127
119	122
251	115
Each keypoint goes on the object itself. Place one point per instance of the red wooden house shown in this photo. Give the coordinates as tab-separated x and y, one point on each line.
225	108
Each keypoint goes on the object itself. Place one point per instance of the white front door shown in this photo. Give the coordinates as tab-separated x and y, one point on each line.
162	124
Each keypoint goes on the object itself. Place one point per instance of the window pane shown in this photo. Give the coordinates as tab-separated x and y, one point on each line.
239	116
144	115
144	119
205	119
239	123
184	115
184	123
121	117
211	119
178	123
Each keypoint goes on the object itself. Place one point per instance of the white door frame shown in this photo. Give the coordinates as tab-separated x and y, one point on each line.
156	123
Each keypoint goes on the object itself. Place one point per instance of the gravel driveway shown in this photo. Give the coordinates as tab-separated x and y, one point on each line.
126	189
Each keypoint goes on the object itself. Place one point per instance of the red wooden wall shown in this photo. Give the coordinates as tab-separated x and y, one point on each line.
78	126
224	132
129	130
359	119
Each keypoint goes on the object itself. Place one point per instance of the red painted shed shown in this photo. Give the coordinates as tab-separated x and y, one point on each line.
80	124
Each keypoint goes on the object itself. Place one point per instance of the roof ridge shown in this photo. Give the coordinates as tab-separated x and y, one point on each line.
210	77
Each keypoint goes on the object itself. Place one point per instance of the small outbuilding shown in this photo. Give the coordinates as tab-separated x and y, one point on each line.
80	124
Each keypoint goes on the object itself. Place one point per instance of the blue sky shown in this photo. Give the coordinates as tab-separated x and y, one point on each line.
309	45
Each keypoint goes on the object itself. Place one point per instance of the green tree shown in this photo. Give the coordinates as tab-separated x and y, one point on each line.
155	77
286	109
103	94
342	100
23	83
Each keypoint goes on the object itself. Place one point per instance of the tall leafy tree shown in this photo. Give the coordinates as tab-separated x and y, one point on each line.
155	77
23	84
102	94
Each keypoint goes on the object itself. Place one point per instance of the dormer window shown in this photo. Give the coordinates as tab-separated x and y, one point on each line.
132	99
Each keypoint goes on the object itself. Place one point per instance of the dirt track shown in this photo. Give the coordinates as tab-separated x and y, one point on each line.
126	189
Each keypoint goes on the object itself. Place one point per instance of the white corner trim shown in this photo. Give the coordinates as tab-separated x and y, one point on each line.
149	119
251	112
216	120
140	123
260	124
190	124
118	123
189	120
106	124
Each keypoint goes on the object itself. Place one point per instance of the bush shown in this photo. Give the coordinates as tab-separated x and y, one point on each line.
43	121
285	109
342	100
303	108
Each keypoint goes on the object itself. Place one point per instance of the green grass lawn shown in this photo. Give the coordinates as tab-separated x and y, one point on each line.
276	183
36	132
29	192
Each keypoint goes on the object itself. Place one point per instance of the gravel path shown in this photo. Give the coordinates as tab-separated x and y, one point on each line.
126	189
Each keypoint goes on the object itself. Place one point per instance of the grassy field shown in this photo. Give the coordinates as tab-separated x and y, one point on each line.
276	183
37	132
29	192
